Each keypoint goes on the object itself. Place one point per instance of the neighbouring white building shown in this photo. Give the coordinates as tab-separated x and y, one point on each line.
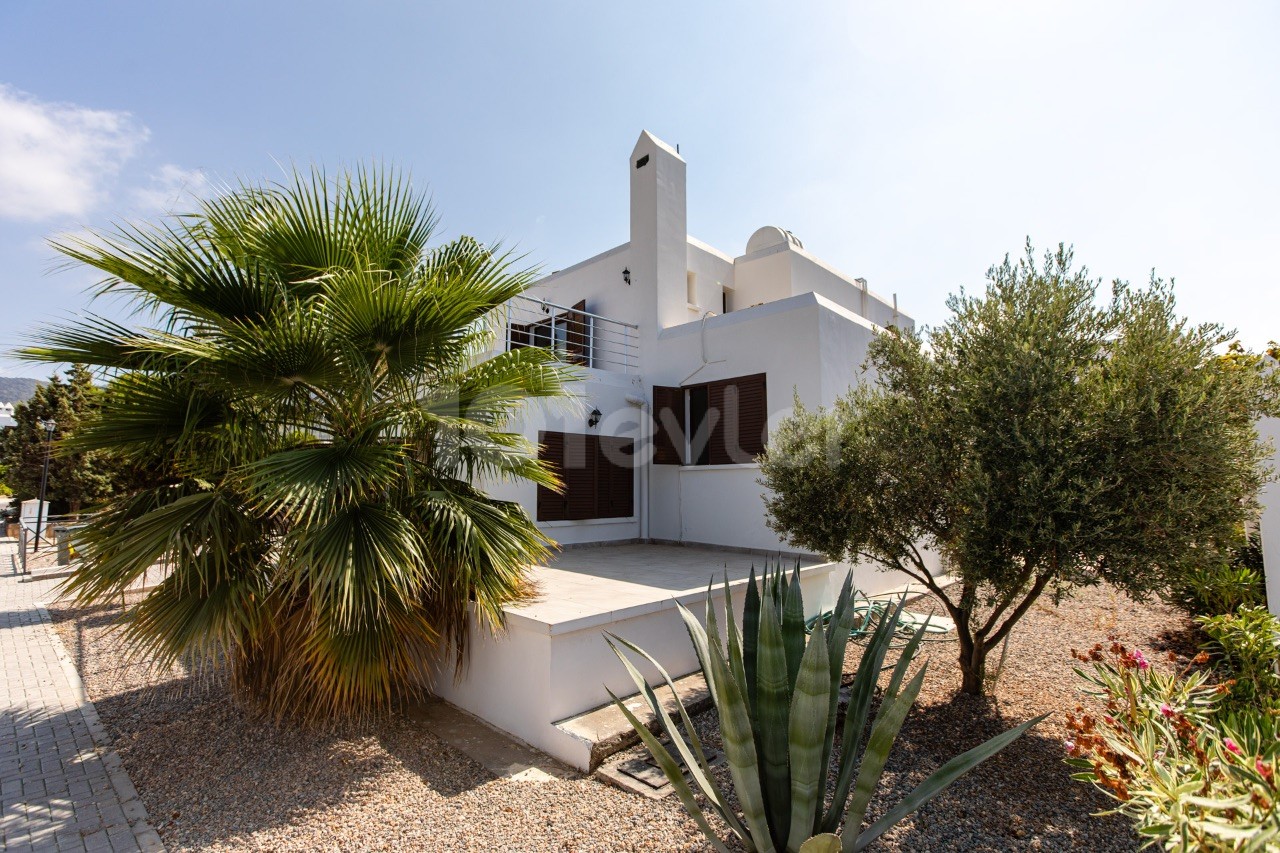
690	354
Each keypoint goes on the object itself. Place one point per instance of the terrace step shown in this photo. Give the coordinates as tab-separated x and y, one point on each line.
607	731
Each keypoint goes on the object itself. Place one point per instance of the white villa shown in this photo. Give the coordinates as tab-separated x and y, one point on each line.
690	355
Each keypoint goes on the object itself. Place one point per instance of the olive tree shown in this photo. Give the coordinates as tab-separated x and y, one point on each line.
1041	439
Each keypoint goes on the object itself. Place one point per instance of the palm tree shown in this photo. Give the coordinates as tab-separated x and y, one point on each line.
316	399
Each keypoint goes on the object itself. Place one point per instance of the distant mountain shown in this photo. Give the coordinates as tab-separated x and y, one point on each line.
15	389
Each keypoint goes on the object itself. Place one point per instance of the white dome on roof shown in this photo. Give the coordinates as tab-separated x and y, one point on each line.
770	236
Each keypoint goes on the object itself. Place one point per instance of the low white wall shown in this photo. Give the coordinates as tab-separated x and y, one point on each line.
506	681
527	680
724	505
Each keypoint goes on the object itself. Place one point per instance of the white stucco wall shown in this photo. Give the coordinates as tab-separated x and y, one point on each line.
713	272
607	392
764	276
804	344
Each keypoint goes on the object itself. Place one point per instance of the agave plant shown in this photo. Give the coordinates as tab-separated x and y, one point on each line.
777	697
315	402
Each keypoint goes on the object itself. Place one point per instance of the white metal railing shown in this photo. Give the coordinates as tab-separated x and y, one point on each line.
580	336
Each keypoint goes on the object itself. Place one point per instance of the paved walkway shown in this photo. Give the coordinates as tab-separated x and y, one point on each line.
61	786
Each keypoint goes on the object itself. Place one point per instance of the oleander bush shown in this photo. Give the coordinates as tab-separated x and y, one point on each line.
1189	776
1223	585
1246	646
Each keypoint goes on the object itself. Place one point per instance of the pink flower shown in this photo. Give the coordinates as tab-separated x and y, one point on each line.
1166	710
1231	746
1140	660
1068	745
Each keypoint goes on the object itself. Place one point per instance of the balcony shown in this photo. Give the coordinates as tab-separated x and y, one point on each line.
577	335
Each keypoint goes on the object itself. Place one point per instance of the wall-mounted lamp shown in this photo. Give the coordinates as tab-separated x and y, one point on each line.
594	418
626	275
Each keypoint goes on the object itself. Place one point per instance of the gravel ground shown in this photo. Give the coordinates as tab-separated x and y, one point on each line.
1023	798
215	778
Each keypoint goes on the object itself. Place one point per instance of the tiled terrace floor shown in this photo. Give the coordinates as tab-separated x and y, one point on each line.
61	786
584	582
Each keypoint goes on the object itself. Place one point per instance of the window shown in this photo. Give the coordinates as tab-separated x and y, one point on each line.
691	287
720	422
598	477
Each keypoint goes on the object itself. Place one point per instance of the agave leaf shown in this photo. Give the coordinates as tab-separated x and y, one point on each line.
750	636
793	635
696	762
692	753
773	706
906	656
736	664
714	640
778	587
938	782
884	731
810	706
701	644
740	749
671	769
824	843
837	643
855	720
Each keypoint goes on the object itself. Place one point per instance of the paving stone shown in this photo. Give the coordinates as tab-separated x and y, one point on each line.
62	787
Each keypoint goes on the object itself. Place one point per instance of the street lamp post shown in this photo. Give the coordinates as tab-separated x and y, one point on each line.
49	427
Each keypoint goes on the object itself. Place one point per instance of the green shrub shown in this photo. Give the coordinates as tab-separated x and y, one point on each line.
1247	646
776	695
1188	777
1223	587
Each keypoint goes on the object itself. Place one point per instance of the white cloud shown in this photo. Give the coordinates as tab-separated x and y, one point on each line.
57	159
169	186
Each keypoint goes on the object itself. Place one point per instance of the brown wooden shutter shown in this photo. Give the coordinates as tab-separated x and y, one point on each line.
551	504
669	425
615	490
738	432
597	473
581	455
577	339
518	336
753	416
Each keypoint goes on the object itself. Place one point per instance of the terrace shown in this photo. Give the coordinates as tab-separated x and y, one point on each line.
584	338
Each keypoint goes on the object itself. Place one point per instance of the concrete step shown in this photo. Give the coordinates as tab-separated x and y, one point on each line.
607	731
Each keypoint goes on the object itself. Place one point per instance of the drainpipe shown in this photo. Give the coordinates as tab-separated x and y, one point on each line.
702	336
645	429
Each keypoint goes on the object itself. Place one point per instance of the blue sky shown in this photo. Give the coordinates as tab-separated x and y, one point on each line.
909	143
